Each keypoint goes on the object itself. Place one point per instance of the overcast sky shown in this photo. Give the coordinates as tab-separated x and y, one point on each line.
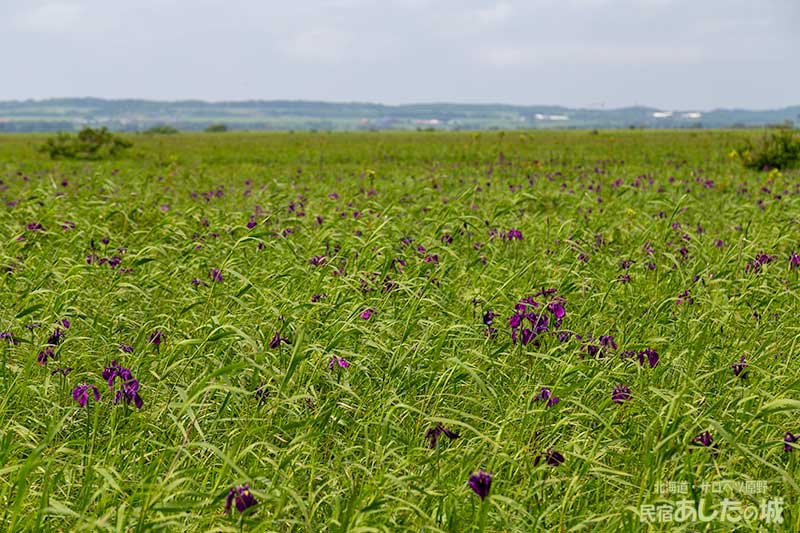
673	54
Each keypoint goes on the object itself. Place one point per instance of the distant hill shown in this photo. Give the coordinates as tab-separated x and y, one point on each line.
67	114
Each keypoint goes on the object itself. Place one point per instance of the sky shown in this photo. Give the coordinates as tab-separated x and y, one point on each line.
670	54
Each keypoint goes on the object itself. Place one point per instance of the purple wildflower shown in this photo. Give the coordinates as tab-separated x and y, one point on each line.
242	497
46	354
340	361
684	297
546	394
607	342
366	314
55	337
551	457
739	368
63	371
651	355
434	433
789	440
65	322
157	337
514	234
480	482
128	390
81	394
794	260
317	260
557	308
215	274
703	439
127	348
621	393
276	341
318	297
9	337
759	261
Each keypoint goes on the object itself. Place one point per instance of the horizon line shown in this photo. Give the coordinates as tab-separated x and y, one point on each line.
369	103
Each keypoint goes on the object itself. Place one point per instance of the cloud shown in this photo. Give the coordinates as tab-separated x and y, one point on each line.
503	56
51	17
318	45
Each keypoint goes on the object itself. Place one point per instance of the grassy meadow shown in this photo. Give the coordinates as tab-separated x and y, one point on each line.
299	313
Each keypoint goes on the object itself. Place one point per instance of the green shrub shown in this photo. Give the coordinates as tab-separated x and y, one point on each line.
779	149
89	144
217	128
161	129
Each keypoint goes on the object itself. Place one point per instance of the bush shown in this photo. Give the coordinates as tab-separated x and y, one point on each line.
161	129
779	149
217	128
89	144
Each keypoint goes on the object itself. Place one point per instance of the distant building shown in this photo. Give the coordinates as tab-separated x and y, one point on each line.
662	114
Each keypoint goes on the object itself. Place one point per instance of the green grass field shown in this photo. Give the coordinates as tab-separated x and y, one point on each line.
389	251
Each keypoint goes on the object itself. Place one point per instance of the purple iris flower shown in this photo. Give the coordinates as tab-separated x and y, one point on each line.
621	393
607	342
277	340
759	261
215	274
129	388
527	336
514	234
703	439
242	497
651	355
318	297
81	394
127	348
794	260
551	457
55	337
488	317
317	260
557	308
65	322
480	482
157	337
46	354
262	393
789	440
9	337
340	361
684	297
546	394
434	433
739	368
366	314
